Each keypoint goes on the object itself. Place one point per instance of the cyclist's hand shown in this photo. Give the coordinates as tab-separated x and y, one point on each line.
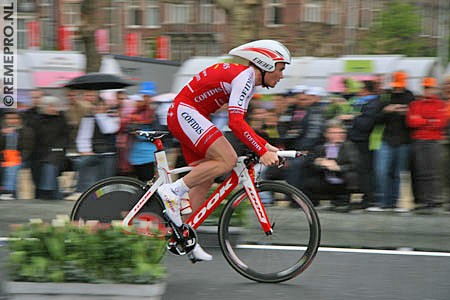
269	159
269	147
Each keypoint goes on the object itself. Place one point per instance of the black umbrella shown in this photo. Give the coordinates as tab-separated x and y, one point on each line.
97	81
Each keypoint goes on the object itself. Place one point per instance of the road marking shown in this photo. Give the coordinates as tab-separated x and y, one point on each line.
330	249
347	250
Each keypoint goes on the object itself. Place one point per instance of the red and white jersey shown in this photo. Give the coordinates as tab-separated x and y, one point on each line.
220	84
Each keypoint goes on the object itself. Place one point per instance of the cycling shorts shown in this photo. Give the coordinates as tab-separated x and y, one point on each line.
195	132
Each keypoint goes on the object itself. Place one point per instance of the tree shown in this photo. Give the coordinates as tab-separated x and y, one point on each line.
87	31
395	31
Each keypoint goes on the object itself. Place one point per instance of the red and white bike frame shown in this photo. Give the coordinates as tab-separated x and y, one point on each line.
241	174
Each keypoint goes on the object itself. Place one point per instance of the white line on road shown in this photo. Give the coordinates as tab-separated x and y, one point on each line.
347	250
330	249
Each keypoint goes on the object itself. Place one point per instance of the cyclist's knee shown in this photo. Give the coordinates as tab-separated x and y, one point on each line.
230	162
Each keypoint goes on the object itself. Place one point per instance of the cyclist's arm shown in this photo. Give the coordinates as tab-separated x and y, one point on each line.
242	88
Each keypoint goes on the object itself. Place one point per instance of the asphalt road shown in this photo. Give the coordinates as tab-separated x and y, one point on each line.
332	276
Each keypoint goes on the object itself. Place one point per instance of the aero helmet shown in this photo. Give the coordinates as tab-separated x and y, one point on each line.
263	53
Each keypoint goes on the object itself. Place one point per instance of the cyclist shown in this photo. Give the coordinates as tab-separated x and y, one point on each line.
202	144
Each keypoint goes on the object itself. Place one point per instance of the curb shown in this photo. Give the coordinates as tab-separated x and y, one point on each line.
88	291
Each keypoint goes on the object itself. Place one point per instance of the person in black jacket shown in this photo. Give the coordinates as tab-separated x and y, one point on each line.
332	168
393	155
51	137
308	128
366	106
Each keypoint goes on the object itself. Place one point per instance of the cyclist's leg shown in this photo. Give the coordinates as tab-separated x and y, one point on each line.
200	142
220	159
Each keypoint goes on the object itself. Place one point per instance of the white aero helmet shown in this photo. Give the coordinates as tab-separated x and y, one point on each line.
263	53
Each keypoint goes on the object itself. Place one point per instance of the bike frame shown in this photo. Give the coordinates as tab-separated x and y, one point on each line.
241	174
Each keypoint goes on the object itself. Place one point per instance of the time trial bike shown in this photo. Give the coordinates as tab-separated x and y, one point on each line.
274	242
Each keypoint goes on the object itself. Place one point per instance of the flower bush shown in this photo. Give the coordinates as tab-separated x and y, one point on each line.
99	253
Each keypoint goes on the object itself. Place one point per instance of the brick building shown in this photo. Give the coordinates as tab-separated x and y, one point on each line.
177	29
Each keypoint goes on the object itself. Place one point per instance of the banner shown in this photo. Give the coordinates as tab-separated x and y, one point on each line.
64	38
33	34
163	47
358	66
102	40
132	44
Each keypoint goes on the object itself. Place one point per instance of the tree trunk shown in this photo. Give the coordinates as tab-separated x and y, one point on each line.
87	31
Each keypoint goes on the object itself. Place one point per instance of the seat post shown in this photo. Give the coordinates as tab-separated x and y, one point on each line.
159	145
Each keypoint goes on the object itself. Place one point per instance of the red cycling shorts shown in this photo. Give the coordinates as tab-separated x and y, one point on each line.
195	132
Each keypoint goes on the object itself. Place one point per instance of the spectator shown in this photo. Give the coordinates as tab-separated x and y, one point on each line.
445	89
76	109
51	134
30	119
392	157
16	142
140	151
308	128
427	118
340	109
351	87
332	168
270	131
123	108
285	111
96	143
368	105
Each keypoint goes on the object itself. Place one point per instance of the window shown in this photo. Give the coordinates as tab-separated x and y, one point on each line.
179	13
206	14
134	15
22	34
113	25
71	14
274	12
313	11
219	16
334	13
152	14
369	11
429	21
48	24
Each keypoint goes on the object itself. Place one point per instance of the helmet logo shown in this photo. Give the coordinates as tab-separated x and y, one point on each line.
273	55
262	64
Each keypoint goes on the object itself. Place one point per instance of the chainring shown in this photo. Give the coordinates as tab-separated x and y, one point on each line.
184	245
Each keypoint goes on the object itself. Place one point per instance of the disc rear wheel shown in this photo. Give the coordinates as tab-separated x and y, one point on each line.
113	198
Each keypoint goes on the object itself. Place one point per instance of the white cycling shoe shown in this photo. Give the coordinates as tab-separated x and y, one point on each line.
199	254
171	203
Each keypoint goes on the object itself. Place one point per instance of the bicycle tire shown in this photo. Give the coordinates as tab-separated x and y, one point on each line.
112	198
274	258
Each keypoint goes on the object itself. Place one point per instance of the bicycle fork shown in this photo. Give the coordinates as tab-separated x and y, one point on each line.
247	181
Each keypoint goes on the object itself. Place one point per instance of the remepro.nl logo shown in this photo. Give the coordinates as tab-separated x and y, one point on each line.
8	50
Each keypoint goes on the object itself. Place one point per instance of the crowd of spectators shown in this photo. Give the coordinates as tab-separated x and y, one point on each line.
359	141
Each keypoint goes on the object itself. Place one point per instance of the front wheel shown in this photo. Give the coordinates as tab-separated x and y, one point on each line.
112	199
278	257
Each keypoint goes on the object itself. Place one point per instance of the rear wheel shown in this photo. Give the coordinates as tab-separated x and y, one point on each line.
278	257
111	199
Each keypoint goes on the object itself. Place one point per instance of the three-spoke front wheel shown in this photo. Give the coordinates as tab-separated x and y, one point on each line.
277	257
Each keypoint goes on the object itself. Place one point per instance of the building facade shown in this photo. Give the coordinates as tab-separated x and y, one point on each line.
177	30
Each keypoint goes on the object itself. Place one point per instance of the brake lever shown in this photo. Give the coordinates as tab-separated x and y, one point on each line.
281	162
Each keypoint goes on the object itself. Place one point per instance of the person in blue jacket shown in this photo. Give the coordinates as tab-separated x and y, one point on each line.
140	151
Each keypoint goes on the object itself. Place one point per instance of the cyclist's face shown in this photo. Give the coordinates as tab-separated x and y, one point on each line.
272	78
